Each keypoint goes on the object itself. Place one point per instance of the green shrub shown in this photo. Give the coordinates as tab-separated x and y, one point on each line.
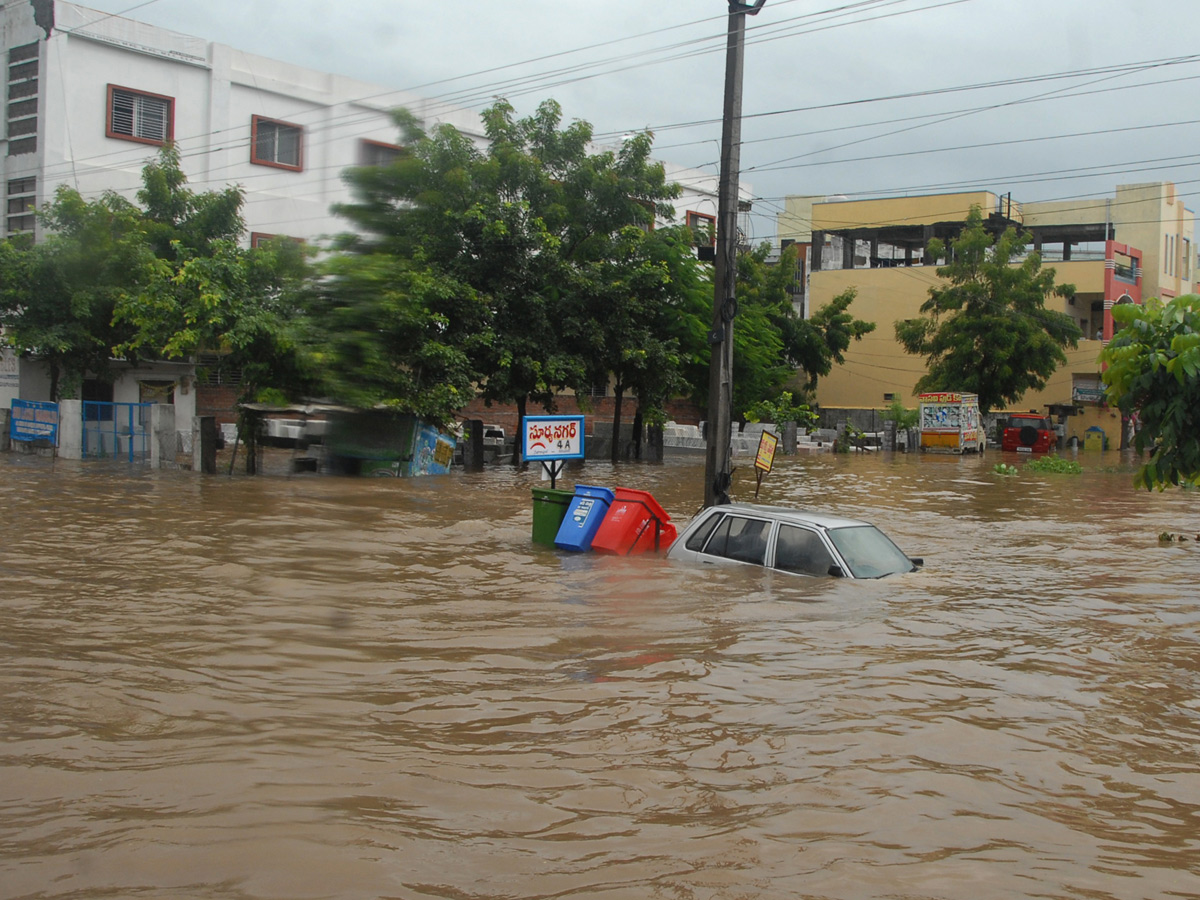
900	414
1055	464
782	409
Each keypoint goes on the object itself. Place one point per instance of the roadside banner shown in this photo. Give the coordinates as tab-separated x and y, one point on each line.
34	420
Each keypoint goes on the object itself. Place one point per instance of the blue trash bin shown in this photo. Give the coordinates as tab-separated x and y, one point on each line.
584	515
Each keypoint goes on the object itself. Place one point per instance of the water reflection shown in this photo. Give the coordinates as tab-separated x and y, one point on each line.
303	687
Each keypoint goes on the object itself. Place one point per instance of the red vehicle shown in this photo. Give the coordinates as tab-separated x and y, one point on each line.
1029	433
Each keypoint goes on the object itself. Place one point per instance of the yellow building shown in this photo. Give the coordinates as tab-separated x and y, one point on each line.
1138	243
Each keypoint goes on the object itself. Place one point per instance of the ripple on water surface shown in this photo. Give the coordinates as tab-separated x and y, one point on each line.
309	687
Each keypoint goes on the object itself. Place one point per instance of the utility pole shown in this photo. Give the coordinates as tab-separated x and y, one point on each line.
718	467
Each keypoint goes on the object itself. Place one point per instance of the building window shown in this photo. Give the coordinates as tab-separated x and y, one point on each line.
20	203
22	122
377	153
704	229
274	143
139	116
262	238
1186	258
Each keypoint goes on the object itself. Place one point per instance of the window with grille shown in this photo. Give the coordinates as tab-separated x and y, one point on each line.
377	153
21	115
139	116
274	143
20	203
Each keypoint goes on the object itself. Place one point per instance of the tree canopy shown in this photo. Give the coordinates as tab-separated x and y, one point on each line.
1153	371
773	344
986	329
536	241
163	280
57	297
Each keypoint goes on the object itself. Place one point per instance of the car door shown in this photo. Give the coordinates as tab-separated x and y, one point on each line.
738	538
802	551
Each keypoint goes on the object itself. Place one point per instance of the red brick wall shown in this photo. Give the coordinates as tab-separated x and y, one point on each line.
682	411
217	400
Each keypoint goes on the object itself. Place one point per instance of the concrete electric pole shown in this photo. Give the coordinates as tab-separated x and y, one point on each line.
718	467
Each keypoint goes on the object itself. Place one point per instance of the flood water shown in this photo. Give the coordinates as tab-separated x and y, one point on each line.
303	687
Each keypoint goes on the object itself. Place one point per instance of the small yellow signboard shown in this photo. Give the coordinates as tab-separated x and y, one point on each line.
766	451
765	458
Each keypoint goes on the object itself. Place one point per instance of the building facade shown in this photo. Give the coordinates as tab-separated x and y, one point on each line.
91	97
1137	243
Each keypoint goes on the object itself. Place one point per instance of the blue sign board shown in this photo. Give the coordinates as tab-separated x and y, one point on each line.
34	420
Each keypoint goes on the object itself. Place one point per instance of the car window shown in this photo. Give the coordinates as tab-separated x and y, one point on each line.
696	541
801	550
740	538
869	552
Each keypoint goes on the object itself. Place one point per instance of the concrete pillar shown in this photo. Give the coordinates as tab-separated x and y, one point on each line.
204	444
70	429
473	444
5	426
789	438
652	448
163	439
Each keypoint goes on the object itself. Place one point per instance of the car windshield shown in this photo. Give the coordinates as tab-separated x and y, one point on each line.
869	552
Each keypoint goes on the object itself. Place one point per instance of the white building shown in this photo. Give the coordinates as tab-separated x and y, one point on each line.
91	96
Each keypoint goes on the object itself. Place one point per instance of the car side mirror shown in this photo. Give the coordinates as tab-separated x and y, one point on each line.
916	561
835	571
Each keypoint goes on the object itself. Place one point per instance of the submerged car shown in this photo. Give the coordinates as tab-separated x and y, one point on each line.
790	540
1029	433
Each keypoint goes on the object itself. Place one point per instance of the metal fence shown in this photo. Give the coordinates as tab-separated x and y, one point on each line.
116	430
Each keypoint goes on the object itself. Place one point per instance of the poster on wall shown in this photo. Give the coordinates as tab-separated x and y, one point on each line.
10	376
34	420
433	451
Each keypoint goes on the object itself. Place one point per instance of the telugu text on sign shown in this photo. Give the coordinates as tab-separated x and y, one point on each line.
553	437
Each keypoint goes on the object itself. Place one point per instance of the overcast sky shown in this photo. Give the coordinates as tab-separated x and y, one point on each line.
822	108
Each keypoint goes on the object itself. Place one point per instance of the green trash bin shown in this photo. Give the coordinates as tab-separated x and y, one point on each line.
549	509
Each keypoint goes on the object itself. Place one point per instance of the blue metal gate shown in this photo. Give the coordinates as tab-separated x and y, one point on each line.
116	430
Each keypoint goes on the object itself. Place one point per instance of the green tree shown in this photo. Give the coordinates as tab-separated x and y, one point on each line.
986	330
390	333
198	291
1153	370
161	281
524	225
772	342
57	297
827	338
623	318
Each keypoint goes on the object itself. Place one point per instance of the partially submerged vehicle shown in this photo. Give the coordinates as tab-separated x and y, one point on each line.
1029	432
790	540
950	423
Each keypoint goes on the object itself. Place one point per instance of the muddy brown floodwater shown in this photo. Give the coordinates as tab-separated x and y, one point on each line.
330	688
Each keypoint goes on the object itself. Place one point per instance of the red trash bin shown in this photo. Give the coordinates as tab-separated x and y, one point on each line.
635	524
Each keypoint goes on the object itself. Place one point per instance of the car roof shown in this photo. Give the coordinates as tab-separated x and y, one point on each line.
789	513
